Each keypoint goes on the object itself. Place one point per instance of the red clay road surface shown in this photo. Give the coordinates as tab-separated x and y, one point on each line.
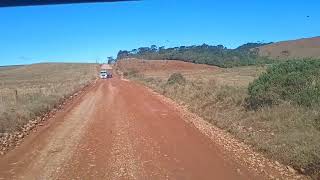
118	130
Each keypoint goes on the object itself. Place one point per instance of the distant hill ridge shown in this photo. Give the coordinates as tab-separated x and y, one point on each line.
300	48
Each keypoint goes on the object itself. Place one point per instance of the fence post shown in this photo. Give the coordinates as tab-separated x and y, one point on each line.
16	95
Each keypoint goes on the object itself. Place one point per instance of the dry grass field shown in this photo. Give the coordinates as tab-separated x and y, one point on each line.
28	91
301	48
162	69
285	133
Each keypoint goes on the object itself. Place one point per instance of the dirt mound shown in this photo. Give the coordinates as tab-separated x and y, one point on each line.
301	48
162	65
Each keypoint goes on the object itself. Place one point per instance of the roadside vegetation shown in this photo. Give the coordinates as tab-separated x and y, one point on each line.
219	55
296	81
278	113
29	91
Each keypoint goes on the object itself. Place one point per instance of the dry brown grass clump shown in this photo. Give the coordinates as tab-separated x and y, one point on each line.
28	91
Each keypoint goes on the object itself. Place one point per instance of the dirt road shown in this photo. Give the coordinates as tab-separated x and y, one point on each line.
118	130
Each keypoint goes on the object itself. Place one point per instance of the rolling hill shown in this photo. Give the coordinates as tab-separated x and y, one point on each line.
300	48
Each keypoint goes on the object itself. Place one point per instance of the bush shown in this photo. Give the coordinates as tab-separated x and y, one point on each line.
130	72
296	81
176	78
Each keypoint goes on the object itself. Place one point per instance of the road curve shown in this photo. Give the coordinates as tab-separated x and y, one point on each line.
119	130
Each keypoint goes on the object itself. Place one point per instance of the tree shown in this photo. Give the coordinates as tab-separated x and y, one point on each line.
154	48
110	60
202	54
122	54
134	51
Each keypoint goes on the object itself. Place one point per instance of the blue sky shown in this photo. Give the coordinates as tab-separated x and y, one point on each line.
90	32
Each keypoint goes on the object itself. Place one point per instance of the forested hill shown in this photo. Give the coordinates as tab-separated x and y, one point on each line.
219	55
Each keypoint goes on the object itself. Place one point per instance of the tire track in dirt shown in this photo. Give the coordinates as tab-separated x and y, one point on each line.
62	144
123	163
170	148
93	150
59	145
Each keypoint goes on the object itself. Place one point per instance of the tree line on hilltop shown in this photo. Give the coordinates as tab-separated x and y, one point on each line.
219	55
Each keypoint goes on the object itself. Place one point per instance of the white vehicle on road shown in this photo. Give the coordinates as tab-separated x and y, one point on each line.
106	71
103	74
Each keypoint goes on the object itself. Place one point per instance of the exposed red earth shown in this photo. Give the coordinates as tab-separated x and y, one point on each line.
119	129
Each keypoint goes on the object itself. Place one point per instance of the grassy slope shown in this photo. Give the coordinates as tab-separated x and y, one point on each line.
39	87
285	133
301	48
10	67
